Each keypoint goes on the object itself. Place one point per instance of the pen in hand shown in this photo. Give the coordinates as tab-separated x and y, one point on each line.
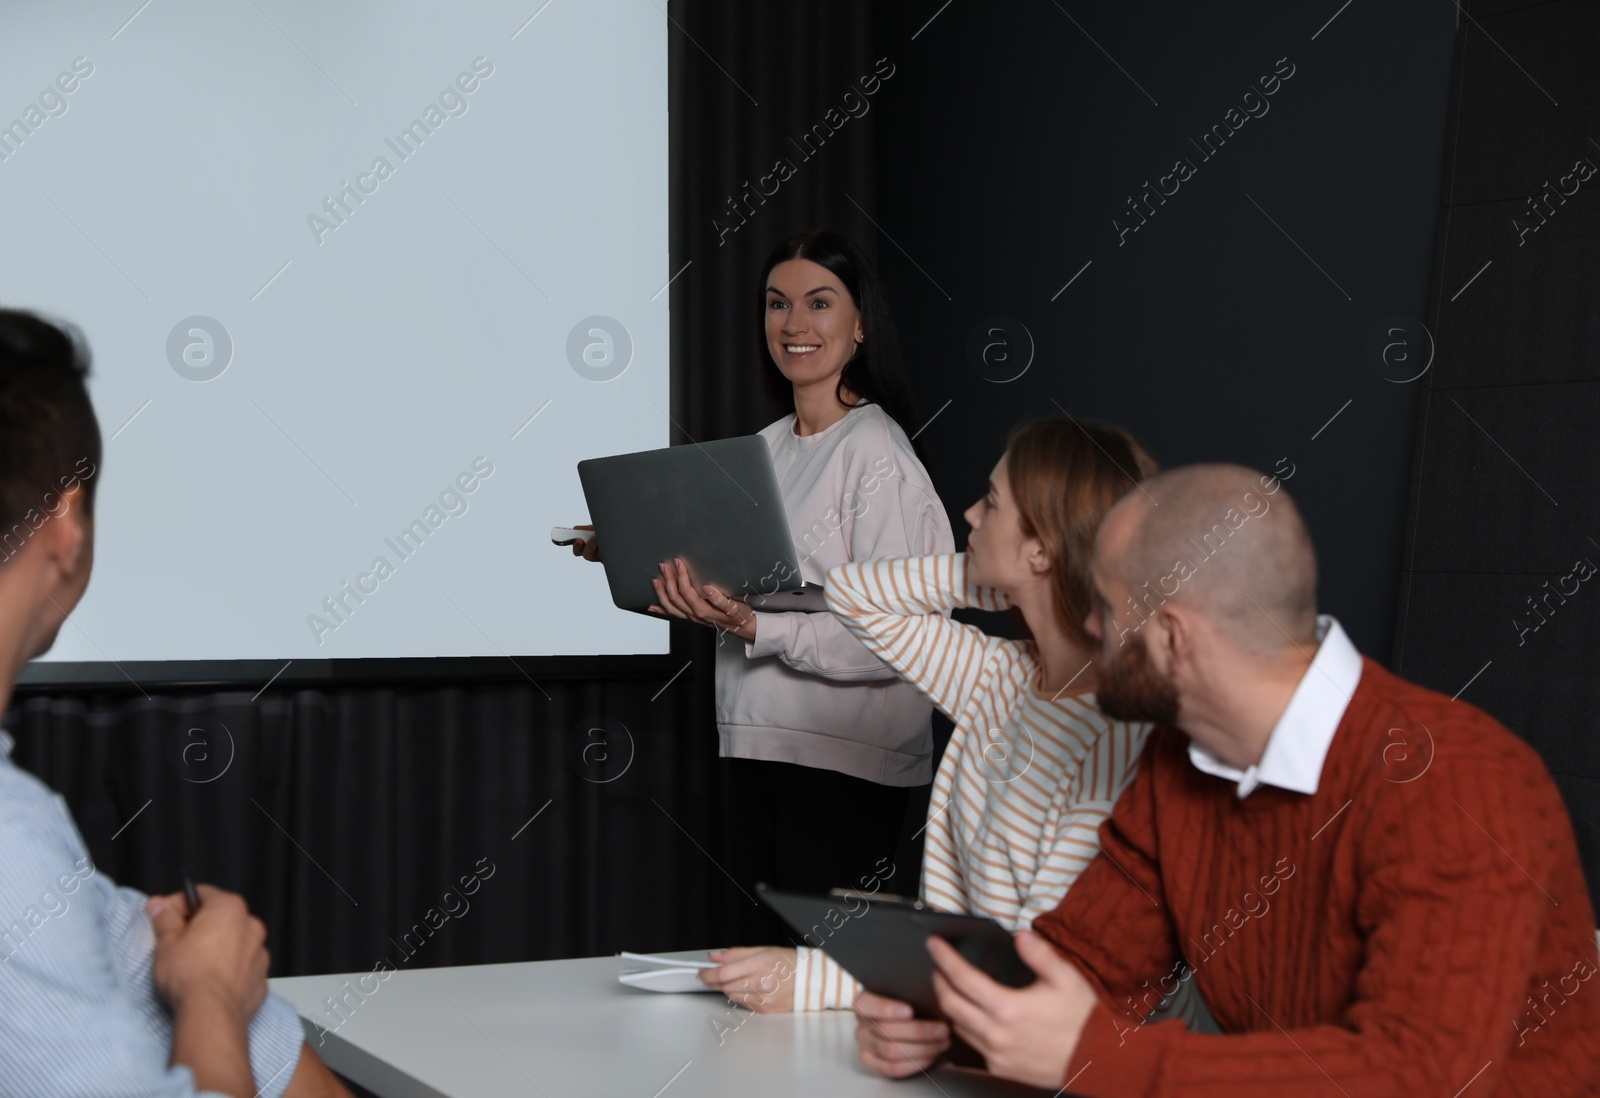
190	894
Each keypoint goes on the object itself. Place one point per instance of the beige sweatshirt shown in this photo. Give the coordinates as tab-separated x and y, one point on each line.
806	690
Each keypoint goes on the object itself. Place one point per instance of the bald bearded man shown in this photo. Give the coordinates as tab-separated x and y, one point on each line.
1376	889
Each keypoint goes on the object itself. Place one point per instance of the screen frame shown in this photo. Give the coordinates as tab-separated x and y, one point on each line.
258	675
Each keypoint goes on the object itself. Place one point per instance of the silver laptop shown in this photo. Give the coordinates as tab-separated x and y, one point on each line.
715	504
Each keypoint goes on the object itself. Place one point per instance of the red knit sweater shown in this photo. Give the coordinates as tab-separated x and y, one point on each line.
1418	923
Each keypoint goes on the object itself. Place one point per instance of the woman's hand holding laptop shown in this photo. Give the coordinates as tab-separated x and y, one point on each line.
679	597
705	605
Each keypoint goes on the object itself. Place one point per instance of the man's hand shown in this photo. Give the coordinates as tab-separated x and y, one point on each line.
892	1043
758	978
217	954
1026	1034
211	968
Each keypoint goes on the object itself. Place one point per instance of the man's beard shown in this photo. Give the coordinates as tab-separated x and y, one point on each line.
1131	689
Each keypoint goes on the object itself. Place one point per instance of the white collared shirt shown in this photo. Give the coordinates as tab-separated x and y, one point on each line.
1300	740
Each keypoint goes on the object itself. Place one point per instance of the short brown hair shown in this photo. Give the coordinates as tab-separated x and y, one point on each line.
49	438
1065	474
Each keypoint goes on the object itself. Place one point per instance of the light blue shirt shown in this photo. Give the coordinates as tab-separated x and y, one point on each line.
79	1013
1298	744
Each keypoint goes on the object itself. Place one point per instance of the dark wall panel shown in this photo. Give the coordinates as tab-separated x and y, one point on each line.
1499	600
1236	323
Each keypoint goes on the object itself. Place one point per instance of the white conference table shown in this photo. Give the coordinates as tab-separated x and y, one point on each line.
564	1029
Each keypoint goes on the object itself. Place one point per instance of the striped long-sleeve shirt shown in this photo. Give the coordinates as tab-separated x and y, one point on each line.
1027	777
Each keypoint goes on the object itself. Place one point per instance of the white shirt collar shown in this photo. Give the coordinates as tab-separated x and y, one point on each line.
1299	742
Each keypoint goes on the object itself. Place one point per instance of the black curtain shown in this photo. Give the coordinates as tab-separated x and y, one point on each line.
345	816
1497	602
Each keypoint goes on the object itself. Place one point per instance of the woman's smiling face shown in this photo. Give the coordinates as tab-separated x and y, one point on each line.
813	325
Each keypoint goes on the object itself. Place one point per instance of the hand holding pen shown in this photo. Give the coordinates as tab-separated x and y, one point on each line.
209	949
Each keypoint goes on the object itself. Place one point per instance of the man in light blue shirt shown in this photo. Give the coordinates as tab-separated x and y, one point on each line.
103	991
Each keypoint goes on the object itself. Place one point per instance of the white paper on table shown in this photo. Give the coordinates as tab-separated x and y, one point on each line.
669	974
670	962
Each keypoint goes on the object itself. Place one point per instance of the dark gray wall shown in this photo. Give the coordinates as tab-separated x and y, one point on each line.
1504	540
1014	133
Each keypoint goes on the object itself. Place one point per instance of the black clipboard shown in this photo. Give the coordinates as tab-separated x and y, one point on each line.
879	940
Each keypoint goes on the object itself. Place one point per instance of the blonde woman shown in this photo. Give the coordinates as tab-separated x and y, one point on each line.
1033	766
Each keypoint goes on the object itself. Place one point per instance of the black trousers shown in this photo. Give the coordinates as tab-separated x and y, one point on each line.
806	829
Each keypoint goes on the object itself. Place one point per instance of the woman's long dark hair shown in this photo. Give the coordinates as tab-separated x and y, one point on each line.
877	372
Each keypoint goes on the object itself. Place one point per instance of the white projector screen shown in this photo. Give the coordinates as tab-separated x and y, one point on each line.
363	282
